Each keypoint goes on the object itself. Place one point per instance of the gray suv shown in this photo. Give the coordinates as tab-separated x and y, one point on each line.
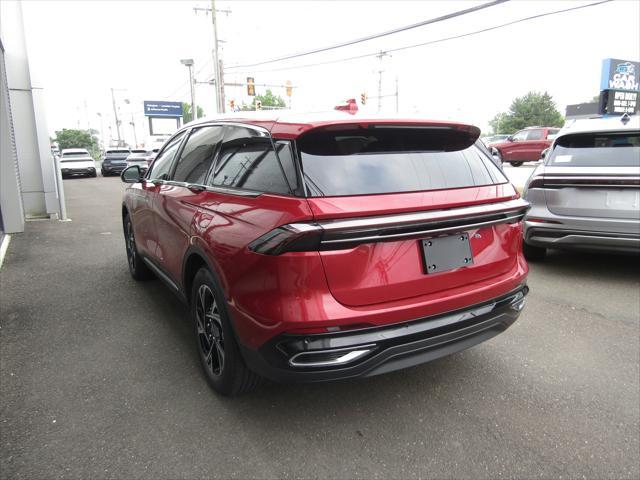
586	194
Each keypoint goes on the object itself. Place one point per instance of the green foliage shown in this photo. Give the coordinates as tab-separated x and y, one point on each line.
186	112
532	109
270	100
71	138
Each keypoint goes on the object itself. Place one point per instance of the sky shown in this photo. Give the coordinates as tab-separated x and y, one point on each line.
81	50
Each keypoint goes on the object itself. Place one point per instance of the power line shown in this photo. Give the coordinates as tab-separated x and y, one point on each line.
187	83
374	36
440	40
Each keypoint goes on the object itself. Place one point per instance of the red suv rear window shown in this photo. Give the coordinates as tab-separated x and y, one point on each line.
390	160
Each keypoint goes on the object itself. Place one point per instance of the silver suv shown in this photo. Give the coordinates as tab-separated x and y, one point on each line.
586	194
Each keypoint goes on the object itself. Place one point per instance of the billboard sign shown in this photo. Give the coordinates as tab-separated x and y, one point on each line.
162	108
620	75
620	102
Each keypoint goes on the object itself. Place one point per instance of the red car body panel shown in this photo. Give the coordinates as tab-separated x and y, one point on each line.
372	284
527	150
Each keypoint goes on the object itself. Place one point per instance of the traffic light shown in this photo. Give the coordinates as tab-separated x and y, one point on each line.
258	105
232	105
251	87
289	88
363	98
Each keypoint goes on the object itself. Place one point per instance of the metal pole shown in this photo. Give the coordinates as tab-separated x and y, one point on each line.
60	189
379	56
194	107
115	113
396	94
133	125
216	61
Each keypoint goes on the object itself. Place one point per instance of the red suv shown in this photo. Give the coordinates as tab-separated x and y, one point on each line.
314	248
526	145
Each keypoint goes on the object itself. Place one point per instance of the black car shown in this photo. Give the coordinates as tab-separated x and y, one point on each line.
114	161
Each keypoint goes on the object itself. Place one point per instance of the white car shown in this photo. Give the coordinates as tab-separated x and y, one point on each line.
141	158
77	161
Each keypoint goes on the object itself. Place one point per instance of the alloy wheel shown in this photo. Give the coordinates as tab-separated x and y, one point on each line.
131	246
209	329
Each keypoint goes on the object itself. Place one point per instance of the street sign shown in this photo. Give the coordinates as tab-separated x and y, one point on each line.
162	108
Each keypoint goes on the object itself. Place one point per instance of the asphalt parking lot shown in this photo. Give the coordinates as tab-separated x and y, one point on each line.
100	379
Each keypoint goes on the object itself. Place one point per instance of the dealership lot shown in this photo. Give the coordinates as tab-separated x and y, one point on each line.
100	378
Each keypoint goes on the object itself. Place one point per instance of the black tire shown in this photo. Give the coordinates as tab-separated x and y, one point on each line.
104	174
137	268
218	349
533	253
93	174
517	164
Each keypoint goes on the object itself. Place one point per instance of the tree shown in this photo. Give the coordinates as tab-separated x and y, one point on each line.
532	109
70	138
270	100
186	112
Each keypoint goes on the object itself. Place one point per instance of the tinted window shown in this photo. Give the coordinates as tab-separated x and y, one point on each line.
536	134
247	160
552	133
597	150
162	164
390	165
520	136
75	154
197	155
285	154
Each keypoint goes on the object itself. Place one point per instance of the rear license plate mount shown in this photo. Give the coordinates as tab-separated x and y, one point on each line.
441	254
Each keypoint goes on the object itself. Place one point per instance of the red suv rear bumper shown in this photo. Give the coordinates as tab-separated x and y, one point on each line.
372	351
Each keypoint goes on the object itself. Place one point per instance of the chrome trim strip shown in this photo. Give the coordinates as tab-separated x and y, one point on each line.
430	216
160	273
351	355
425	233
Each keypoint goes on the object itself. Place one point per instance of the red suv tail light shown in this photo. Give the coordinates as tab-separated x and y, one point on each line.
294	237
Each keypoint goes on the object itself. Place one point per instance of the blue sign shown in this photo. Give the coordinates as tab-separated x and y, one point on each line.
620	75
162	108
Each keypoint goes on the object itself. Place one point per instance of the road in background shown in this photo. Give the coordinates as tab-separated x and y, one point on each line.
100	379
519	175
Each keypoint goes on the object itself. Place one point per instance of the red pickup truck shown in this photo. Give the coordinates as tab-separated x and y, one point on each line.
525	145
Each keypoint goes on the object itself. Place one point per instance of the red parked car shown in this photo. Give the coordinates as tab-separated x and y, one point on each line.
314	248
526	145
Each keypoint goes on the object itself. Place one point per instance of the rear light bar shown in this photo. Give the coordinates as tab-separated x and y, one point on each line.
348	233
630	181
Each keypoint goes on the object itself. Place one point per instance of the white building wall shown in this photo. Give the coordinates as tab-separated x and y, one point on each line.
35	162
10	196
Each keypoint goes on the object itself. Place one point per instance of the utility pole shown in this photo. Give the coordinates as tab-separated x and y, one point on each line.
115	113
217	63
218	68
380	56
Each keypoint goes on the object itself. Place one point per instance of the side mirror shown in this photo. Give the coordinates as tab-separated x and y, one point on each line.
131	174
510	138
543	155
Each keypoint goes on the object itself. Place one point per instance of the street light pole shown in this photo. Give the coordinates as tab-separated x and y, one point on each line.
189	63
115	113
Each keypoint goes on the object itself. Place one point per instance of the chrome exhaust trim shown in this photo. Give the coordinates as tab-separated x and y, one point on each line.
330	358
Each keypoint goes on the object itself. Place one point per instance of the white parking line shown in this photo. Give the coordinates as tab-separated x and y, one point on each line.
3	247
